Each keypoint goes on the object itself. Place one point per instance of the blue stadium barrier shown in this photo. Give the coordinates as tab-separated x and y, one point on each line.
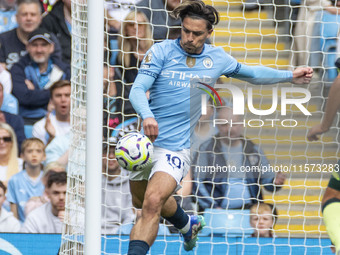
126	229
47	244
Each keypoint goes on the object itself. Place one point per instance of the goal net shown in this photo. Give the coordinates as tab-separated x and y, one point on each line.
278	34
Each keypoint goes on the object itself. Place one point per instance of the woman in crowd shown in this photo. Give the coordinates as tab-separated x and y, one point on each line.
134	41
10	164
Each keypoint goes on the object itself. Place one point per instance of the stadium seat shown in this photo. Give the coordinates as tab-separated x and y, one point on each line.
330	26
231	223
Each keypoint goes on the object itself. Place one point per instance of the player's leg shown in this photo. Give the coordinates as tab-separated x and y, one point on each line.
330	211
138	188
159	189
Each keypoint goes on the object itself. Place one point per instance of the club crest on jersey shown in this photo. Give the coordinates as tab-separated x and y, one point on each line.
191	62
208	63
148	57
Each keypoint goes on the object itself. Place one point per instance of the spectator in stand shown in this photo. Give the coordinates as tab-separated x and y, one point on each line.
7	15
303	33
134	42
58	149
59	22
157	13
116	12
34	74
263	218
27	183
116	197
13	43
15	121
235	189
35	202
49	217
10	164
56	122
8	223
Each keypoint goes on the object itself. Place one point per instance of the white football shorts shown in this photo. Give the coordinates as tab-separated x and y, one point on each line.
174	163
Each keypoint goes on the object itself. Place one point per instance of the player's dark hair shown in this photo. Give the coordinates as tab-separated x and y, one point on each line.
196	9
56	177
3	187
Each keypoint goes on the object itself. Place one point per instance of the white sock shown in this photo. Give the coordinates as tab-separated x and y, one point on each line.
186	228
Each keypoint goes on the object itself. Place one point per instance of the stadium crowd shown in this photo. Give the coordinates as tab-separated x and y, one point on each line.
35	58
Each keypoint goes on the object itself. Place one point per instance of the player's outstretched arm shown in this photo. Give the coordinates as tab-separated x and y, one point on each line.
261	75
332	106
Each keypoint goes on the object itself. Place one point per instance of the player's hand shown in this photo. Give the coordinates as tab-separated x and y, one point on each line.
150	127
302	75
314	132
280	178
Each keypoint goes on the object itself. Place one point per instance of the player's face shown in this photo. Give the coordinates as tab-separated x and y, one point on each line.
61	99
28	17
136	28
110	164
228	130
40	50
5	146
194	34
57	195
262	223
34	154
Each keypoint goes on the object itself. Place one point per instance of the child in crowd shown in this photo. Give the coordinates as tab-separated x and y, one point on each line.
263	218
27	183
8	223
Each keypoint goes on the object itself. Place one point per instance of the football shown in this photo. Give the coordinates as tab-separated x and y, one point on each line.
134	152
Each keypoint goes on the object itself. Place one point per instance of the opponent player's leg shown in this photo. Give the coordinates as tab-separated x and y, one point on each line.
159	189
330	211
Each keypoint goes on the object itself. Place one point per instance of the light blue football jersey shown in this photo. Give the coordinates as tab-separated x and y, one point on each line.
175	97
